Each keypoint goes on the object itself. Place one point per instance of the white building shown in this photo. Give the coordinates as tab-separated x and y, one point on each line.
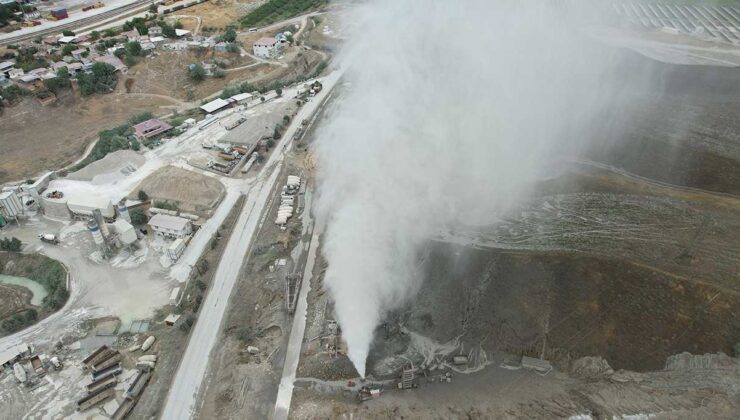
266	48
214	105
10	205
170	226
84	204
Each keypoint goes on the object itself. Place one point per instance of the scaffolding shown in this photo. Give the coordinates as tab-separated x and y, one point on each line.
292	287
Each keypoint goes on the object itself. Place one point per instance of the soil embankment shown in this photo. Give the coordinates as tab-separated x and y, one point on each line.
17	310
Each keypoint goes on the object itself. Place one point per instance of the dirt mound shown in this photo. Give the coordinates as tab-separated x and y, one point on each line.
591	367
119	163
189	190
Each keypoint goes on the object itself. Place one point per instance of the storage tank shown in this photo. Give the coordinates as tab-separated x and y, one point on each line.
98	216
123	211
10	205
92	226
54	205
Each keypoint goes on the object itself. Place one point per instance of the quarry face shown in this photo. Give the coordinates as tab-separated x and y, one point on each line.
614	281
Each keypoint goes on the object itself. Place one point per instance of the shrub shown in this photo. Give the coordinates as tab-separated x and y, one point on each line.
138	217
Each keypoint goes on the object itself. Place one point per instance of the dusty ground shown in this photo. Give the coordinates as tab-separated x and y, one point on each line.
242	385
173	339
631	256
37	138
113	162
190	190
166	74
221	13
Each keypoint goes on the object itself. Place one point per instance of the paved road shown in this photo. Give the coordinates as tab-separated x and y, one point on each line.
295	342
184	392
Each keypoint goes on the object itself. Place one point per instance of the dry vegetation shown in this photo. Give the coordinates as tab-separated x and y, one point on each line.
37	138
189	190
220	13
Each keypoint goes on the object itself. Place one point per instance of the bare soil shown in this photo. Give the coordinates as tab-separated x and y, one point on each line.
38	138
190	190
171	341
167	74
245	385
219	14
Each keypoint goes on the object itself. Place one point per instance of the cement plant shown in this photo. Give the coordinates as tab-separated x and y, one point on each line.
369	209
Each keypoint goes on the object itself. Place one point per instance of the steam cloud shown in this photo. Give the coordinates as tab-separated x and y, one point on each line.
452	110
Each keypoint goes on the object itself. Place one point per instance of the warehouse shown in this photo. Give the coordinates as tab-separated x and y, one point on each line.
170	226
83	205
215	105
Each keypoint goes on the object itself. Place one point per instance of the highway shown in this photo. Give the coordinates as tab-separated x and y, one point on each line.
140	5
184	393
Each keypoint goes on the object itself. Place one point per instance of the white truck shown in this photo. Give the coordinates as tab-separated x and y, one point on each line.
49	238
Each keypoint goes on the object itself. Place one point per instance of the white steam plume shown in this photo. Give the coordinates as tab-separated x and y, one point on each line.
453	110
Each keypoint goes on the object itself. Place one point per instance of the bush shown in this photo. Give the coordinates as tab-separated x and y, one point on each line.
196	72
143	196
138	217
19	321
275	10
68	33
11	245
166	205
103	79
229	35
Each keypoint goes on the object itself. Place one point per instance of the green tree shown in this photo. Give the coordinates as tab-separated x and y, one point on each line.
279	92
11	244
138	217
67	32
177	25
196	72
102	79
94	35
133	48
67	49
143	196
229	35
153	9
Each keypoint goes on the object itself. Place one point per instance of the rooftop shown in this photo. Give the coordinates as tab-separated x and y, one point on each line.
151	128
214	105
241	96
168	222
267	42
112	60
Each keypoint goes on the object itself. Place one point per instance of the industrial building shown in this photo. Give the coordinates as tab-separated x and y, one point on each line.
266	48
151	128
215	105
10	205
82	206
170	226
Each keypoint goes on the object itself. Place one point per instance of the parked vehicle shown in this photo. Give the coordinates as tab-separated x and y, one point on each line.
49	238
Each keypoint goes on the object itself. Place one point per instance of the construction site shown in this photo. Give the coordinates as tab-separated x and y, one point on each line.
287	254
